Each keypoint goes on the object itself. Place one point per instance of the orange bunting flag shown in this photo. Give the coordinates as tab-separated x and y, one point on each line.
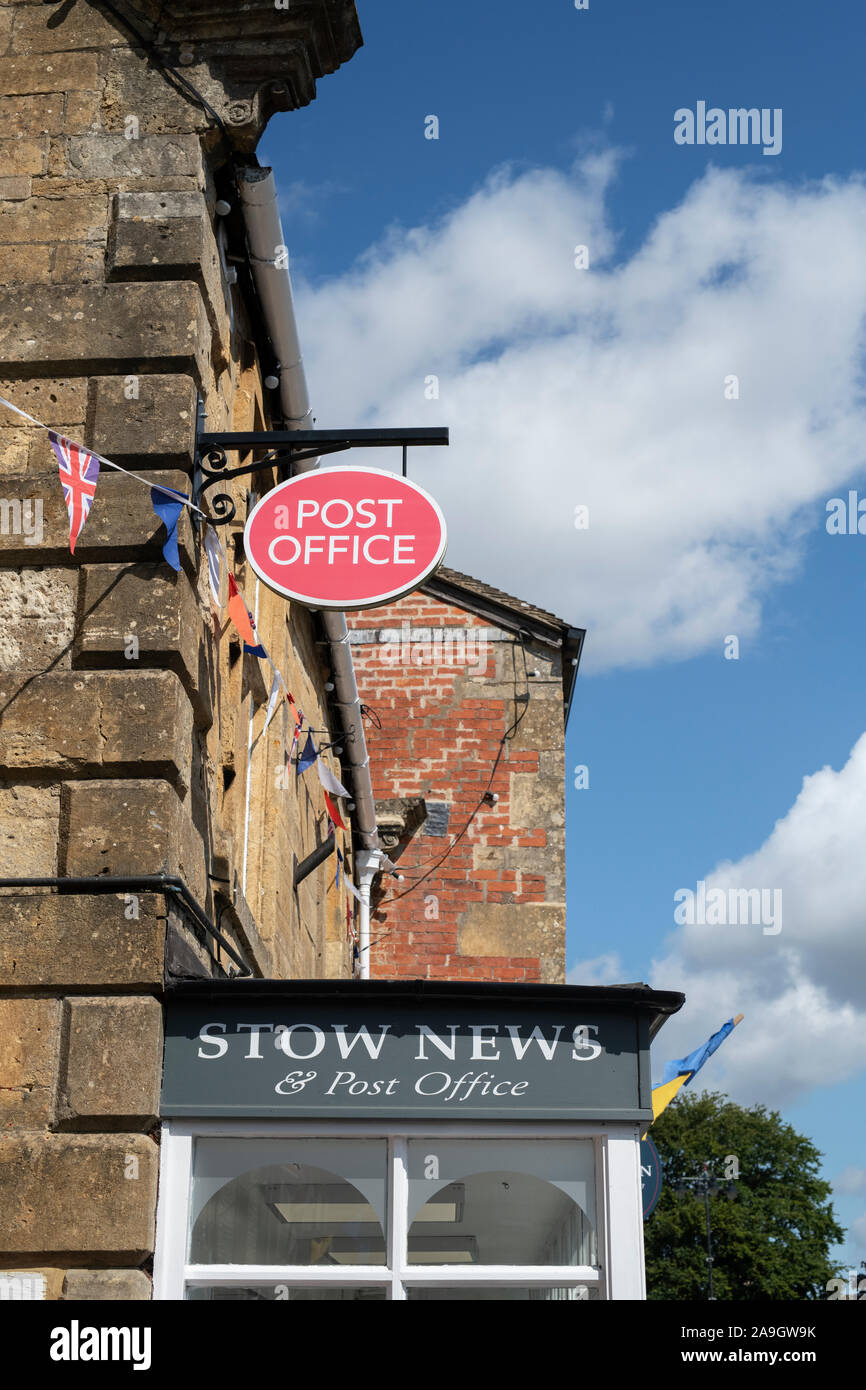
333	812
239	614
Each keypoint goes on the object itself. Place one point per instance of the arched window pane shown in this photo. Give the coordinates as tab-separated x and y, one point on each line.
501	1202
302	1202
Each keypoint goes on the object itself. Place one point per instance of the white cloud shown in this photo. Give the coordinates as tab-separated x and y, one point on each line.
803	991
602	970
850	1180
605	387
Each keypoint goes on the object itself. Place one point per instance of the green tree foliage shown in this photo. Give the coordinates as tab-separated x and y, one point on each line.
769	1243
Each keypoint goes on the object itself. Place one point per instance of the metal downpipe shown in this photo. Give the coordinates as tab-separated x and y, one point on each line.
269	262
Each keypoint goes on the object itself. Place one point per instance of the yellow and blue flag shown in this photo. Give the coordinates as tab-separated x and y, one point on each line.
682	1070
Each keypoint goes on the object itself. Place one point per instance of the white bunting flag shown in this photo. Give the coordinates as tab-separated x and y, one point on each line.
352	889
328	780
214	563
273	700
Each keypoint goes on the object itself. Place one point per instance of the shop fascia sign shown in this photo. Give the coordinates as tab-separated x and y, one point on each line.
345	538
302	1042
221	1061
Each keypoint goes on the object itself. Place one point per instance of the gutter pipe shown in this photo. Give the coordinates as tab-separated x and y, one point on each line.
269	262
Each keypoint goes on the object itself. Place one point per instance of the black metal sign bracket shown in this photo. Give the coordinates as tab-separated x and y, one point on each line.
285	450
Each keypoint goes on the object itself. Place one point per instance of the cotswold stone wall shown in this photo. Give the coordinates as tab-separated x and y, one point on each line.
443	684
131	739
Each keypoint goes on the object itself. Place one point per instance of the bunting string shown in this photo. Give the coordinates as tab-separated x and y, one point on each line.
101	458
244	623
78	468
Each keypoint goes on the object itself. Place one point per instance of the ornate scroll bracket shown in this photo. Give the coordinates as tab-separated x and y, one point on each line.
287	448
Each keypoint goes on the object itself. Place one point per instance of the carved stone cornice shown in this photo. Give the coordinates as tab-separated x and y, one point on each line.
251	58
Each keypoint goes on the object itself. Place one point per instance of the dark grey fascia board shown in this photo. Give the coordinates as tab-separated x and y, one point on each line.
657	1004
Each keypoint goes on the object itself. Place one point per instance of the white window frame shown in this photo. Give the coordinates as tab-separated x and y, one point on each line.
618	1217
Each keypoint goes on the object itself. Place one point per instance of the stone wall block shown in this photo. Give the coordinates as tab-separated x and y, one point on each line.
79	263
106	327
29	832
143	418
76	27
170	236
15	188
132	86
107	1285
161	613
23	156
81	115
114	1063
542	727
25	265
14	443
104	156
20	76
37	1281
37	613
132	827
121	525
82	722
67	941
52	221
29	1058
32	115
85	1193
536	801
536	929
57	401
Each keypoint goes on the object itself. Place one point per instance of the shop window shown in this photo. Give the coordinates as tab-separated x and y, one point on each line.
513	1202
421	1216
313	1202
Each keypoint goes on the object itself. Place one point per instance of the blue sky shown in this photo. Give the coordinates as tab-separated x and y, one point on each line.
562	386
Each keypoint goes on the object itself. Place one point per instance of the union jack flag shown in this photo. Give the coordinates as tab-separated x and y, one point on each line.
79	472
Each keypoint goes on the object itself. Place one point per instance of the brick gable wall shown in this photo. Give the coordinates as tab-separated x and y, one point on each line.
443	683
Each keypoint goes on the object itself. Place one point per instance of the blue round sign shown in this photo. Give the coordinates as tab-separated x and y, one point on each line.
650	1176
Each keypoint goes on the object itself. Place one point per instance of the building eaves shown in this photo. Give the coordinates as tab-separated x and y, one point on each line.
513	615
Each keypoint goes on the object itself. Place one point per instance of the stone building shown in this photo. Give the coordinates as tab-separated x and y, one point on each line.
140	796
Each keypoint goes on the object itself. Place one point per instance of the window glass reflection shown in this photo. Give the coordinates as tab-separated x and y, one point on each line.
303	1202
501	1202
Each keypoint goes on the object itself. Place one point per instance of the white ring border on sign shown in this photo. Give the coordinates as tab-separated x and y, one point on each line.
346	605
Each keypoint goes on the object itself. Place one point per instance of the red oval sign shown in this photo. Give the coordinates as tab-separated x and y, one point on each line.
345	537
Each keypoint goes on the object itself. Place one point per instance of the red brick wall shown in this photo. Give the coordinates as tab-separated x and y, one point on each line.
442	723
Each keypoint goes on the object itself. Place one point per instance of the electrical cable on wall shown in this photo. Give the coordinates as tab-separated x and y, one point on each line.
510	733
151	48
